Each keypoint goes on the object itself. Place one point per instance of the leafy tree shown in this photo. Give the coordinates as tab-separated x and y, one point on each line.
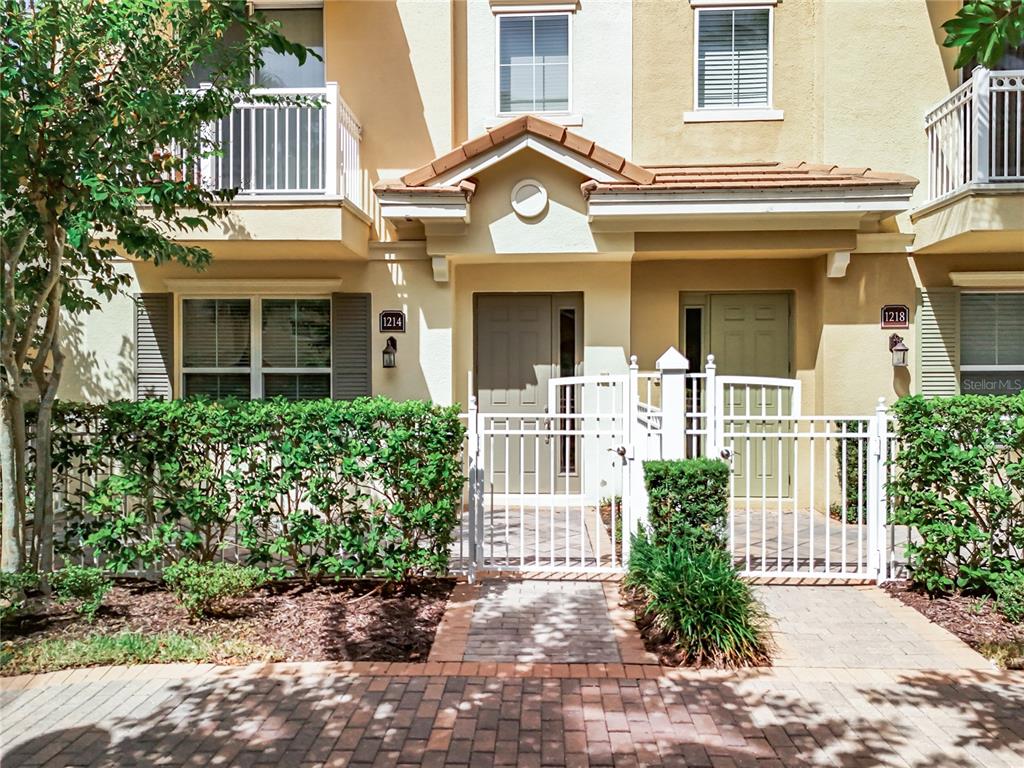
984	29
92	99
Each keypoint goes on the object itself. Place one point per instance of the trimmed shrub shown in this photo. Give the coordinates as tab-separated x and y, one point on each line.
694	597
202	588
1010	596
958	483
688	498
368	487
84	586
12	592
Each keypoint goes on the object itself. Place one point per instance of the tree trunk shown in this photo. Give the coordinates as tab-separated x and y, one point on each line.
12	462
42	528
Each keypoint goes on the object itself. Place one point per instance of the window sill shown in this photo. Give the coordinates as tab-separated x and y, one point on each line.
558	118
731	115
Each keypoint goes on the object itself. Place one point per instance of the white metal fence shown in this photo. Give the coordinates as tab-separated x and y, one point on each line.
975	133
564	489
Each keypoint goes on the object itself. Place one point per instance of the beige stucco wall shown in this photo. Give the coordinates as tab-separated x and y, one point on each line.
102	363
495	229
853	78
601	49
605	311
392	60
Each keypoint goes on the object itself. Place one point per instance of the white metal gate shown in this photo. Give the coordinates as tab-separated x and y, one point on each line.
805	492
562	490
546	490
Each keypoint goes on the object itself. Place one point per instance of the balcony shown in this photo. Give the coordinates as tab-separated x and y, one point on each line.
305	149
975	166
974	135
296	168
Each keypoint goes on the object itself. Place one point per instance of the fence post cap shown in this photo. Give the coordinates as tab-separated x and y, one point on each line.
672	360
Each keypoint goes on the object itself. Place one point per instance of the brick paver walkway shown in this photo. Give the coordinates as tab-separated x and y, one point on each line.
853	687
859	628
313	715
554	621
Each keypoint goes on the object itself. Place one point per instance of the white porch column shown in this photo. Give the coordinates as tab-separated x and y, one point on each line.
673	367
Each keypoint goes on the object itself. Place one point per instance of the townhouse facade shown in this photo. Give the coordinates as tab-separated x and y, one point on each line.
498	192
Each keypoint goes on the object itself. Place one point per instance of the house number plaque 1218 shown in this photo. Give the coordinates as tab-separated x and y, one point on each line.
392	321
895	316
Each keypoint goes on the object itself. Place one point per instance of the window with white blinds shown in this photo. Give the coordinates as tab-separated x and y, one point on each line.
533	63
217	347
296	348
734	58
991	343
251	348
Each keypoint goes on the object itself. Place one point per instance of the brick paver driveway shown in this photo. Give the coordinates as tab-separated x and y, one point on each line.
811	711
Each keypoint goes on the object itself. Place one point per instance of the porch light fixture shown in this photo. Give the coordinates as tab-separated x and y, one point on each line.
390	350
899	351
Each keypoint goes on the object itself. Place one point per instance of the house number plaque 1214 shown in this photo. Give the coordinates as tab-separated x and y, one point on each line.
895	316
392	321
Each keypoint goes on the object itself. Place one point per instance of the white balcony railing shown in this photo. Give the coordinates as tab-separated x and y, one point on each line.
304	149
974	135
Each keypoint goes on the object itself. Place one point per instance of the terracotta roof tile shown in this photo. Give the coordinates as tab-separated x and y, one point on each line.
577	143
756	175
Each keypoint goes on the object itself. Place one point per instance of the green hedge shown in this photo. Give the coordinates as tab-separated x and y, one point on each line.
326	487
958	482
688	498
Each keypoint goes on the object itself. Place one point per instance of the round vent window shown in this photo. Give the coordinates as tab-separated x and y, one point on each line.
529	198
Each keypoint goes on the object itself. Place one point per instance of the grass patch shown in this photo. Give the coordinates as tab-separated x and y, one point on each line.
126	648
1007	655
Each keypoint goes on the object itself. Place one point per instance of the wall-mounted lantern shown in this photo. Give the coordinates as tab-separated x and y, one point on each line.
390	350
899	351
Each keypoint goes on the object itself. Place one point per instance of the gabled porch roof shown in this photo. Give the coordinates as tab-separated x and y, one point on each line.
623	196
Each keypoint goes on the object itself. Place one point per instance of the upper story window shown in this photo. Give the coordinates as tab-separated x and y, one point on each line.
533	63
299	25
733	72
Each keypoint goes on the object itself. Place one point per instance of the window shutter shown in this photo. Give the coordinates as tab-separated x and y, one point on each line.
939	340
350	346
154	340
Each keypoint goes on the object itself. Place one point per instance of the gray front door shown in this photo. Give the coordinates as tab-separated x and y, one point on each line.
749	336
521	342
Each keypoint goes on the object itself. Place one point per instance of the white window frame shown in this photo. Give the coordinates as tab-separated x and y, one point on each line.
498	17
255	368
729	114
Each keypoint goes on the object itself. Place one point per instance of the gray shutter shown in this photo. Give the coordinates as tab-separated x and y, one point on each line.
938	324
350	346
154	345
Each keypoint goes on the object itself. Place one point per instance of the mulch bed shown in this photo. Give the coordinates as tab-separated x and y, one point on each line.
973	619
330	621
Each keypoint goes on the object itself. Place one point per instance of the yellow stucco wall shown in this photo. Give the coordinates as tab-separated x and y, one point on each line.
606	317
392	60
102	364
494	228
853	78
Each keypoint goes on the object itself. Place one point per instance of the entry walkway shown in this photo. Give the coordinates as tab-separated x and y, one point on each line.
821	706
